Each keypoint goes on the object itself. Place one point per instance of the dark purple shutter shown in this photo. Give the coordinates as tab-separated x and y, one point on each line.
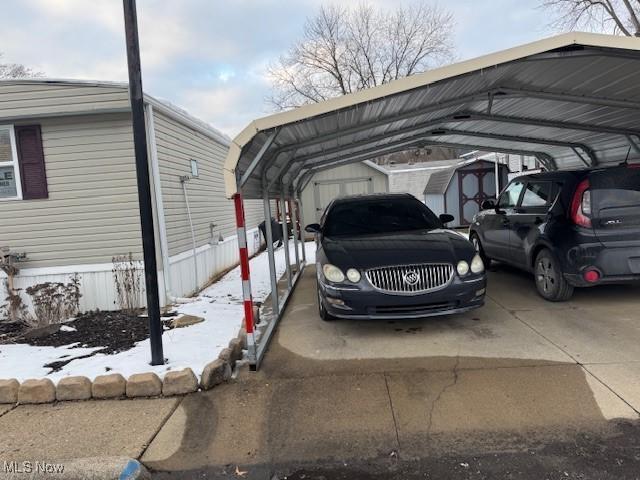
33	174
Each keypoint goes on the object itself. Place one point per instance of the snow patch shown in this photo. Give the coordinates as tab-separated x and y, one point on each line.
219	304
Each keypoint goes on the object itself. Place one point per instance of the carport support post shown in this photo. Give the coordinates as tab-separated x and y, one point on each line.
270	254
246	277
302	230
285	238
296	228
497	176
136	97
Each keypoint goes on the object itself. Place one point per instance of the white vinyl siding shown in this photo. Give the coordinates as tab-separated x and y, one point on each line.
28	100
177	146
92	210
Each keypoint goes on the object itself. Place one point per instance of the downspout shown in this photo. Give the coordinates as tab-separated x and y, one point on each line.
183	180
157	192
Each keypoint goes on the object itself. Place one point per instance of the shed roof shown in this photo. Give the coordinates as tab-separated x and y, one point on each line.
413	178
439	181
570	100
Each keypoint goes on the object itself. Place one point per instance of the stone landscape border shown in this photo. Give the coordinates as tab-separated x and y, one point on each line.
115	386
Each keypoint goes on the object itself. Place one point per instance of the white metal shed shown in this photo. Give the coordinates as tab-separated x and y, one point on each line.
351	179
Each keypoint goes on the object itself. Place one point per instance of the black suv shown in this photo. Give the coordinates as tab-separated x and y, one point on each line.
570	228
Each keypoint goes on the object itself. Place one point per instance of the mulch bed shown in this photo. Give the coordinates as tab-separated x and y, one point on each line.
114	332
10	330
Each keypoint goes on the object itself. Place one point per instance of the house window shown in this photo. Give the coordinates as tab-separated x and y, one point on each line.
194	167
10	188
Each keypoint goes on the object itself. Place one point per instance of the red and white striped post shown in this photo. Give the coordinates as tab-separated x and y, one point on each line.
246	277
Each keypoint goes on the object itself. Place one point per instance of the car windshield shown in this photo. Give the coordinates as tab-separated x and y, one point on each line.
379	216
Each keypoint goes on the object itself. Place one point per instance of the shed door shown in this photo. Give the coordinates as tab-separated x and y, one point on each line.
327	190
475	186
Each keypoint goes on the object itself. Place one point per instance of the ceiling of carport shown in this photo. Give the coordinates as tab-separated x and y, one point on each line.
572	100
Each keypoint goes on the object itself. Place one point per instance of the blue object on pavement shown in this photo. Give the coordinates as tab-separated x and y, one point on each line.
130	471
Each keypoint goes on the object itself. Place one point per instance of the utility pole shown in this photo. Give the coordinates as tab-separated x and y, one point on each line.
144	185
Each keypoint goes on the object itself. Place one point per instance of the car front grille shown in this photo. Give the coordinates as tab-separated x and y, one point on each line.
410	278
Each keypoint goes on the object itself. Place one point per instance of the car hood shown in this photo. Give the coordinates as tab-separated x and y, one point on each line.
403	248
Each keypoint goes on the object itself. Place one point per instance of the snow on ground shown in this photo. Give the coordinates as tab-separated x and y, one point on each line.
220	305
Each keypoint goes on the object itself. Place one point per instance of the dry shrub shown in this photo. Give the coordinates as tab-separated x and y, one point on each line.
54	302
14	310
127	278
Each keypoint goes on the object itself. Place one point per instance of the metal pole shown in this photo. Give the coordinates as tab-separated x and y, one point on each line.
302	231
136	97
296	232
285	238
496	174
270	254
194	244
246	277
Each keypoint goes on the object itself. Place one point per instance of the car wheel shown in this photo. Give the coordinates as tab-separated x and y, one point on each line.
550	282
324	315
479	250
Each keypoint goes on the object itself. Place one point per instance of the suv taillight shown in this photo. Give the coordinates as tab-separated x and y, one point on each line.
581	205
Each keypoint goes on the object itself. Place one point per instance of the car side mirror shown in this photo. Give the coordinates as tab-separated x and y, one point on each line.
312	228
445	218
488	205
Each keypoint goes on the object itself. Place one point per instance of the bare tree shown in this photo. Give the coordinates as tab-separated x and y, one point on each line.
621	17
16	70
344	50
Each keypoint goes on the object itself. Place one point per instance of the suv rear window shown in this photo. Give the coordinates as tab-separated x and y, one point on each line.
615	187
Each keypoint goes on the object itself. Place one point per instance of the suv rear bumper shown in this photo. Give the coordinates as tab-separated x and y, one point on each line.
577	280
614	264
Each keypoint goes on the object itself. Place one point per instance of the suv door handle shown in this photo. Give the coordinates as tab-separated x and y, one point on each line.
506	222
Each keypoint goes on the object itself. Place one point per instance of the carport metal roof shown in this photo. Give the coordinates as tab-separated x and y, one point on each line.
571	100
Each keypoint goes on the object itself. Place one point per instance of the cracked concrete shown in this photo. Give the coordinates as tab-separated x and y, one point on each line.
497	378
454	372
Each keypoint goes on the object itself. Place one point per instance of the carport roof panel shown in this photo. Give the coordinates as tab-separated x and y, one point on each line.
573	98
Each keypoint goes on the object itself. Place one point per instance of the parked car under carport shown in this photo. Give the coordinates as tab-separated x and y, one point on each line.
577	228
388	256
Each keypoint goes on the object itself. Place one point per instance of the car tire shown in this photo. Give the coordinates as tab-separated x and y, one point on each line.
475	239
324	314
550	281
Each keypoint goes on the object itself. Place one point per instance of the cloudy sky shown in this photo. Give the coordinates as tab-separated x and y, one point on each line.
210	56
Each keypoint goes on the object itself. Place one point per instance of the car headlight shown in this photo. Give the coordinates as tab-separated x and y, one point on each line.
463	268
353	275
477	265
332	273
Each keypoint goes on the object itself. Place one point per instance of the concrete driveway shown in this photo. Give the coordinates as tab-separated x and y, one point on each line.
519	375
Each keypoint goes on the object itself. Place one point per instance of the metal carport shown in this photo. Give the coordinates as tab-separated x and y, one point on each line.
572	101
